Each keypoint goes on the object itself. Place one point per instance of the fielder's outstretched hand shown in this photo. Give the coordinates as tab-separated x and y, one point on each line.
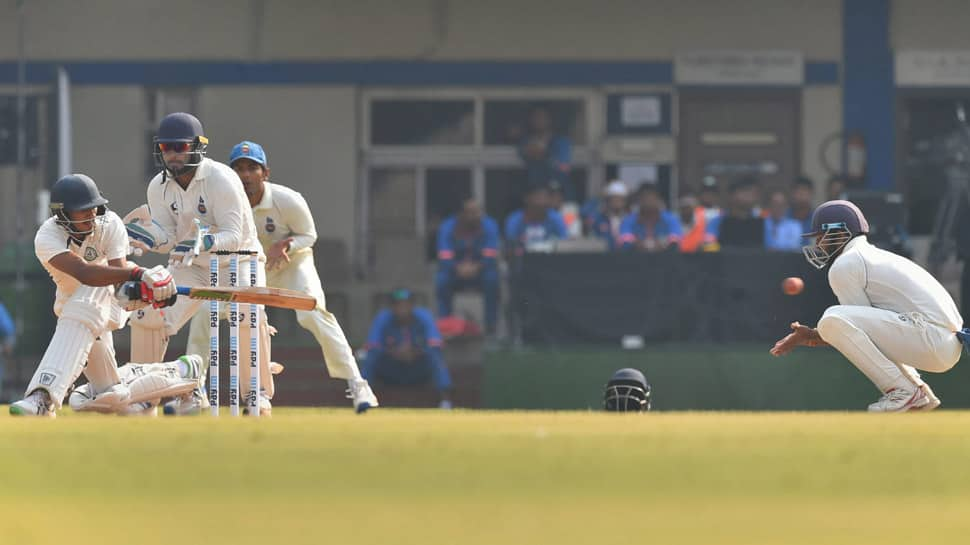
800	336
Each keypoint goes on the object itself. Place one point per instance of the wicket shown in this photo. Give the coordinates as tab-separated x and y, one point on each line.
234	318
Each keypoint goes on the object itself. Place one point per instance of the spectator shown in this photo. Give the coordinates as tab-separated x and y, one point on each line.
741	226
535	227
710	198
567	209
546	154
782	233
650	228
468	257
8	333
802	202
835	188
693	221
606	222
404	347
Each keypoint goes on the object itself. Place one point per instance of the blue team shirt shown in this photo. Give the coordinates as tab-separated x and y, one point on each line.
422	332
7	329
521	233
783	235
480	246
667	228
603	228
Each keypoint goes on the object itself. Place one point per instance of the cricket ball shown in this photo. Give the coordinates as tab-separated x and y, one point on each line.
792	285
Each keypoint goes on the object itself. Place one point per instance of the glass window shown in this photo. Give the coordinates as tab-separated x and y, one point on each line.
418	122
391	206
445	190
507	121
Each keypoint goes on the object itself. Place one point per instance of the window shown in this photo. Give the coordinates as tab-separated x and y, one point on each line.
506	121
417	122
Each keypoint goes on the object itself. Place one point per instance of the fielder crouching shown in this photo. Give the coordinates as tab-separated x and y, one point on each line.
893	317
83	247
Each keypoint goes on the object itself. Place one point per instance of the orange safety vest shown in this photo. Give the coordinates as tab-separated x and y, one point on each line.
696	238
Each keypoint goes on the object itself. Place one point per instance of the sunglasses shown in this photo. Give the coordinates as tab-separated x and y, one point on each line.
177	147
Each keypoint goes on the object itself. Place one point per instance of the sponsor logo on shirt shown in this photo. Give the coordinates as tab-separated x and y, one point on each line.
202	209
174	207
270	226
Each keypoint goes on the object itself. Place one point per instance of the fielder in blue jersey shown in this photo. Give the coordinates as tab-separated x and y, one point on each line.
535	225
404	347
468	258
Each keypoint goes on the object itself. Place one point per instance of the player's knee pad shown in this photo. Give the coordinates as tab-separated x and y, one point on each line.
149	337
832	323
91	308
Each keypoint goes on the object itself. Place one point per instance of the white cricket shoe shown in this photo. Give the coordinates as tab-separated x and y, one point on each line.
38	403
445	405
191	403
361	396
900	400
265	406
934	401
143	408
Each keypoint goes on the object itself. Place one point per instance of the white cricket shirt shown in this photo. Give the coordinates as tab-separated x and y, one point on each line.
865	275
281	213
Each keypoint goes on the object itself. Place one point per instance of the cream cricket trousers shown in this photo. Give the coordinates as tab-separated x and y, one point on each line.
889	347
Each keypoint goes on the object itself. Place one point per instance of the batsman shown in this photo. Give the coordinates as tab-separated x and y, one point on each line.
893	317
195	206
83	247
287	234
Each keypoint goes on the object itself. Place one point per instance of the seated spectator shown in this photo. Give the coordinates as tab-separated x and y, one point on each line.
741	226
650	228
404	348
567	209
546	154
606	222
468	258
835	188
782	233
693	221
535	227
8	334
802	202
710	198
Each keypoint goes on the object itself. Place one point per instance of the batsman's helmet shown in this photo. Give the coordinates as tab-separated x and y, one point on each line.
627	391
834	224
180	132
76	193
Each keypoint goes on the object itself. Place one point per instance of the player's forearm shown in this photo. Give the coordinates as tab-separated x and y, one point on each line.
103	275
300	242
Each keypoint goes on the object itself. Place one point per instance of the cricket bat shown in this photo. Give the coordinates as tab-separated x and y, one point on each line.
271	297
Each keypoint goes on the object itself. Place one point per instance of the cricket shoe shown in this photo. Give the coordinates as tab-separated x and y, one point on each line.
191	403
143	408
38	403
114	399
265	406
900	400
934	401
360	394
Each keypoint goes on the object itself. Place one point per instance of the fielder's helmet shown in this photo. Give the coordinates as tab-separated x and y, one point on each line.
76	193
834	224
627	391
180	132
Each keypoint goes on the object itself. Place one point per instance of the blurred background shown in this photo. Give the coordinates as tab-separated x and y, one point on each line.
709	128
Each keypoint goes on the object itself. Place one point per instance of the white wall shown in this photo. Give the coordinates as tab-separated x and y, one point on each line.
111	141
821	117
310	138
430	29
930	24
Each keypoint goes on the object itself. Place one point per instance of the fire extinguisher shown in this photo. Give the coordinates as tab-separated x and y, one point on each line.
855	158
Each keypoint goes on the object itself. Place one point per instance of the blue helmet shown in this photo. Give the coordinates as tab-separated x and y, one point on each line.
180	132
76	193
834	224
627	391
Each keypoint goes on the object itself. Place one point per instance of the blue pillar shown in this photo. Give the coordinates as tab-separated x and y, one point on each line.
868	98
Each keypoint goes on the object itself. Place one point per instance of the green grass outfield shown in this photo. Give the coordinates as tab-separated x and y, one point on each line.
498	478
